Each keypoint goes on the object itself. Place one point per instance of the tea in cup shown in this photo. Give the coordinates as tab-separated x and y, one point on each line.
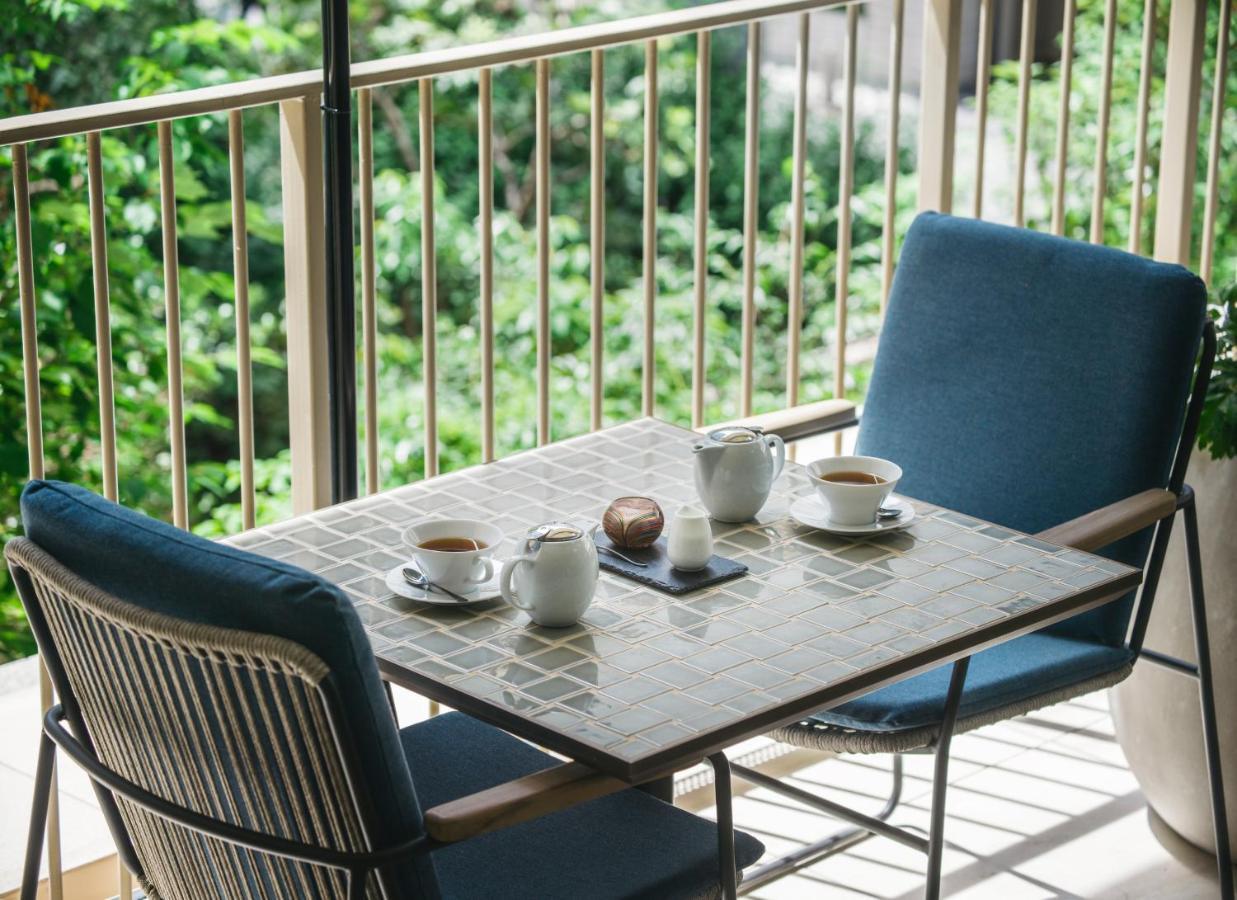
854	487
455	554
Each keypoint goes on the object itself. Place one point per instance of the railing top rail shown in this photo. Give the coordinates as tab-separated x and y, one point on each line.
397	69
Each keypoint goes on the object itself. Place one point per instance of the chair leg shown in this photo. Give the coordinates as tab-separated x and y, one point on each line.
661	788
727	869
940	779
1206	692
862	828
38	817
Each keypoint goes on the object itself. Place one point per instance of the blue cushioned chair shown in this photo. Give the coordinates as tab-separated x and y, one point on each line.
230	712
1030	381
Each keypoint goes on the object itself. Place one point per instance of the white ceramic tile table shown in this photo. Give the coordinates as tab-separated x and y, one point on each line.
649	683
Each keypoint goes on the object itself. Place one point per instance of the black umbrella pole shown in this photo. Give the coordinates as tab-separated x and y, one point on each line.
340	295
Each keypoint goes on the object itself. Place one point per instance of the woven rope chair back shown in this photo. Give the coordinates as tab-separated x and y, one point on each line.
231	724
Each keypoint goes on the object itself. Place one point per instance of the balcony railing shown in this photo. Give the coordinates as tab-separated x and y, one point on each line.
298	95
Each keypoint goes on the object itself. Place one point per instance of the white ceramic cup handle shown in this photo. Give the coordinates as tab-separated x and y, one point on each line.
487	570
504	585
779	448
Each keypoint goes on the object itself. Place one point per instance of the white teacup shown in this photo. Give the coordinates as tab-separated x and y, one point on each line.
458	570
853	502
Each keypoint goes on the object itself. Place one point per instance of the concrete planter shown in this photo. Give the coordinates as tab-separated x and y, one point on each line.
1156	711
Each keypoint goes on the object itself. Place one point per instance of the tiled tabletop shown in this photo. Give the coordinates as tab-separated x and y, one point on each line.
646	681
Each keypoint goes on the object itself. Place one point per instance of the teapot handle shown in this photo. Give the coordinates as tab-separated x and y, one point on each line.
778	446
505	588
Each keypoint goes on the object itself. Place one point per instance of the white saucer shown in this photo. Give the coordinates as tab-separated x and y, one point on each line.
814	513
483	593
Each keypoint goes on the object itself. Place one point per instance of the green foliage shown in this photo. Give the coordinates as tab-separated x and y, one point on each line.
1217	429
138	49
62	53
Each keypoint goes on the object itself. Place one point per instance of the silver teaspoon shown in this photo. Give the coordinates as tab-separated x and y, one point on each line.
888	512
622	556
419	581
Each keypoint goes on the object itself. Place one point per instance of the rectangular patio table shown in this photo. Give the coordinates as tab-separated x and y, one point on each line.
647	683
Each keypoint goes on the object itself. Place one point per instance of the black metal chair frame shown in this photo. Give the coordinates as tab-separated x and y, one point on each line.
865	826
357	866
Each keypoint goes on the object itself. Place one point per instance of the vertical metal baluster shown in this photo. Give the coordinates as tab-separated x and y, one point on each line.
29	320
704	55
1140	138
1025	55
542	180
1100	188
938	101
304	255
34	451
846	188
794	315
648	387
983	67
1213	145
240	274
597	236
171	291
485	224
369	310
751	212
429	276
888	238
1062	156
102	314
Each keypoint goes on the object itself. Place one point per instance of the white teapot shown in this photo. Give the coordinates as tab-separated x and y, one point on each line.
735	470
553	575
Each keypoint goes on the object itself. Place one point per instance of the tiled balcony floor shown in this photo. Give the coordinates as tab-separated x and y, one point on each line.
1042	806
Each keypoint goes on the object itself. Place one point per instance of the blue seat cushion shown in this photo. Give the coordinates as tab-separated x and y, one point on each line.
1024	667
1027	379
158	567
628	844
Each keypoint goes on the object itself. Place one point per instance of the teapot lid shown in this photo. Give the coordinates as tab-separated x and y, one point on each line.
555	532
734	434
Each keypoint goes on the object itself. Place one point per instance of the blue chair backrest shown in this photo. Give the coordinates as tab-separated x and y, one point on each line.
1027	379
150	564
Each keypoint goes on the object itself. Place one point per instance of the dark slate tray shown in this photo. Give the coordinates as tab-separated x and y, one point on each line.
660	574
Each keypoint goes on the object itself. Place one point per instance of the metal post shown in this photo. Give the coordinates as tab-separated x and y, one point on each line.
340	298
1183	74
942	31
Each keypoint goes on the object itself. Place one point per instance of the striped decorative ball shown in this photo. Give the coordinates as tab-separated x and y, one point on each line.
633	522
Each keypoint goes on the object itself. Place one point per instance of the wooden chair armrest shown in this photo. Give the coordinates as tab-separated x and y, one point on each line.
530	797
797	422
1101	527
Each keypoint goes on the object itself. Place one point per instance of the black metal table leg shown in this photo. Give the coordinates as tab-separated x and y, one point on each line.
833	843
1206	696
940	778
727	868
661	788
